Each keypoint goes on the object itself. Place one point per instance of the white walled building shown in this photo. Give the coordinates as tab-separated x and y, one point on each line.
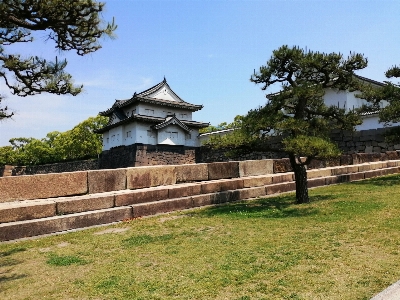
156	116
349	101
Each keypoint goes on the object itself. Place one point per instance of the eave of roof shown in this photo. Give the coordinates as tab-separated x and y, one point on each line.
135	99
144	97
172	120
150	119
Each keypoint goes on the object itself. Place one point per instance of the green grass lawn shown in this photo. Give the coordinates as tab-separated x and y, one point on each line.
345	244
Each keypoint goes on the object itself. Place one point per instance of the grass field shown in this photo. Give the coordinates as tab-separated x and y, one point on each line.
345	244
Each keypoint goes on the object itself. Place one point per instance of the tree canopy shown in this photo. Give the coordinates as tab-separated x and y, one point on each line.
297	114
81	142
73	25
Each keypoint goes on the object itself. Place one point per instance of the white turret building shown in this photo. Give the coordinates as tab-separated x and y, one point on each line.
156	116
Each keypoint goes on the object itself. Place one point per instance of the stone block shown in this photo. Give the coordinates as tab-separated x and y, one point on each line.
356	176
256	167
393	163
316	164
223	197
332	180
315	182
192	172
364	167
210	186
319	173
221	170
340	170
26	210
144	177
282	165
255	181
184	190
373	173
70	205
346	160
42	186
152	208
253	192
141	196
231	184
393	170
21	229
287	177
391	155
100	181
280	188
352	169
202	200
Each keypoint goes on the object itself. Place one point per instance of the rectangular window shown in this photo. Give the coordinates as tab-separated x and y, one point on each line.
149	112
129	134
108	139
184	116
173	135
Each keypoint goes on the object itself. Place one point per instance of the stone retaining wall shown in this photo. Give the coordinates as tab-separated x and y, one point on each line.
15	188
71	166
146	155
364	141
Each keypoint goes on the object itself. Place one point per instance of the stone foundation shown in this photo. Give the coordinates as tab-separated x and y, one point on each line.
146	155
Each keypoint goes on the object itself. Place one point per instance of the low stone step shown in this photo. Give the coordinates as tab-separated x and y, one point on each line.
29	228
37	217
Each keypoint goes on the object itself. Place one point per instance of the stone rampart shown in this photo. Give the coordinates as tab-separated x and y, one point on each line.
350	142
55	185
70	166
146	155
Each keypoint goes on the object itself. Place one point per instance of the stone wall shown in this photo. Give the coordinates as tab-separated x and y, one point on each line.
70	166
146	155
365	141
148	181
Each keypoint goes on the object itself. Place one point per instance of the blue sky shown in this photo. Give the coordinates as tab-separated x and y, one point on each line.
207	51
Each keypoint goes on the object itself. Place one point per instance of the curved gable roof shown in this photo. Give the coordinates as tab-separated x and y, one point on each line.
160	94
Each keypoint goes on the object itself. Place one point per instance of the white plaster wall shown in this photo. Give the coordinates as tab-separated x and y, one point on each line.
194	140
128	139
162	111
105	141
141	132
171	135
115	136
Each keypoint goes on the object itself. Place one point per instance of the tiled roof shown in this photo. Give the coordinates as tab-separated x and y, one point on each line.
171	120
369	80
145	97
151	119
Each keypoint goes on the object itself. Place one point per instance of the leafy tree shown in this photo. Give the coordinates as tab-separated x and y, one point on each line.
81	142
297	114
73	25
220	126
6	155
4	113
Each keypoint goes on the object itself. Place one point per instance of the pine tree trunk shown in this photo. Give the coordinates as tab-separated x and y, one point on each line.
300	174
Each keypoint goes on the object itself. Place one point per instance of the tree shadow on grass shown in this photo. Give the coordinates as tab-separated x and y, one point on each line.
390	180
274	207
6	262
